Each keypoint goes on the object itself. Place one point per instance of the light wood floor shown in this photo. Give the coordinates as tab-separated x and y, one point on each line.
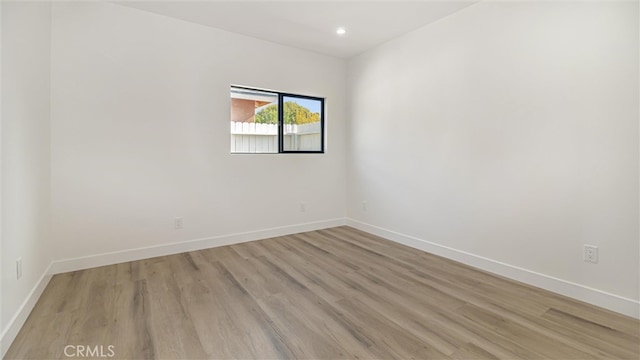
336	293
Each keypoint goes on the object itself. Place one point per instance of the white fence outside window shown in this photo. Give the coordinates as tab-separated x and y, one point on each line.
263	138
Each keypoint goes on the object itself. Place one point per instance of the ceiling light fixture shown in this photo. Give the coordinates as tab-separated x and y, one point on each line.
341	31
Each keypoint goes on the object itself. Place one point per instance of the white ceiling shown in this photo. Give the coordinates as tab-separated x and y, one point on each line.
310	25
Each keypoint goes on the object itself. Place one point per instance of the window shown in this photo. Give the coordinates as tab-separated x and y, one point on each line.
274	122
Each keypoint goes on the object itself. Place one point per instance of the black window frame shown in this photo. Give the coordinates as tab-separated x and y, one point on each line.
281	96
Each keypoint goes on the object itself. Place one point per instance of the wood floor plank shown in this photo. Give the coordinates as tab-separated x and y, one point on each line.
315	315
472	351
394	342
534	341
221	310
330	294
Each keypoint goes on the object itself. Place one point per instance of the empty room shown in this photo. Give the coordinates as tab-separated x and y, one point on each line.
320	179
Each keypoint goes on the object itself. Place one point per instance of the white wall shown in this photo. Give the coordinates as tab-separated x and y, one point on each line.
2	324
510	132
140	133
25	154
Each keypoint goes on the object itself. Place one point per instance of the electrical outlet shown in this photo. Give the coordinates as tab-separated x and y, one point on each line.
303	207
364	206
18	268
591	254
179	223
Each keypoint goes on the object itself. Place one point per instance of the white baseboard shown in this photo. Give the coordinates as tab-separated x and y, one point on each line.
589	295
86	262
15	324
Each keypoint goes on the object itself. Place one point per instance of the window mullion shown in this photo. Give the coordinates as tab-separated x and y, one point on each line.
280	123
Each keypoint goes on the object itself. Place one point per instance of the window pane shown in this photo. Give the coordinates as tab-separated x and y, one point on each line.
254	121
302	126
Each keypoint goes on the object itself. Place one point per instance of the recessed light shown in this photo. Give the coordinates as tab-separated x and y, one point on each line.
341	31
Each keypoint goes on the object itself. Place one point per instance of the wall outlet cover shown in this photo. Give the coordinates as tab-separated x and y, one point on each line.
18	268
179	223
590	254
